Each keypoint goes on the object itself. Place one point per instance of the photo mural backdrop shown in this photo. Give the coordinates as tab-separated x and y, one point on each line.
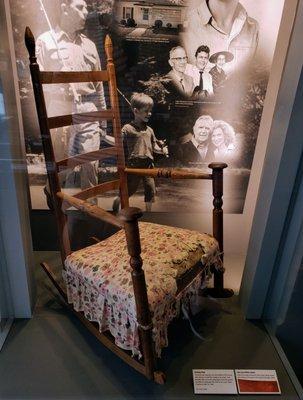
205	64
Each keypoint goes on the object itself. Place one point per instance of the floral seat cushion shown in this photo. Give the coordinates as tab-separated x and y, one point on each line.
98	279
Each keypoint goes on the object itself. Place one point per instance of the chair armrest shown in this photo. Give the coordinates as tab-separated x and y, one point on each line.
172	173
91	209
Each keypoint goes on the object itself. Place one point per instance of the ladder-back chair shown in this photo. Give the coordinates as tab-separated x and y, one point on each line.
140	293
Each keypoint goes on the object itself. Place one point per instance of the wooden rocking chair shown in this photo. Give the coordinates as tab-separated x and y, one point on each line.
127	219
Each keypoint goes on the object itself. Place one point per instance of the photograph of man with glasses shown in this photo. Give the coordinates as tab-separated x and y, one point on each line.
180	84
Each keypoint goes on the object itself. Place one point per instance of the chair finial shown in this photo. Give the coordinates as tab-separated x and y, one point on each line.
217	165
130	214
30	43
108	48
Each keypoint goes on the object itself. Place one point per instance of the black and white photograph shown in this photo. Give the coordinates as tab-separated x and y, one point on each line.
192	78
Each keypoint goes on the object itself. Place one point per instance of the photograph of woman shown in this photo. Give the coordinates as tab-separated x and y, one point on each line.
223	140
218	72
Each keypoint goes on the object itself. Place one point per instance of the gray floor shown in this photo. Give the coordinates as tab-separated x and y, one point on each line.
52	356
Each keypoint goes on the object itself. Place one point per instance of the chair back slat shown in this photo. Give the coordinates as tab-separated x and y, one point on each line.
98	189
83	158
81	118
48	77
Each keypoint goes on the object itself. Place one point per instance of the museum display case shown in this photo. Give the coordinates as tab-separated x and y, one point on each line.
213	90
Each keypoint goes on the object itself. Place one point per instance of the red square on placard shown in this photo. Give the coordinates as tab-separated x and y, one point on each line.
258	386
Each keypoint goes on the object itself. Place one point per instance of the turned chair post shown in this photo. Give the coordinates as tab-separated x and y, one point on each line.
130	218
51	166
114	101
217	183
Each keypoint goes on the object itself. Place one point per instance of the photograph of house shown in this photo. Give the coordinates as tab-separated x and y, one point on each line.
146	13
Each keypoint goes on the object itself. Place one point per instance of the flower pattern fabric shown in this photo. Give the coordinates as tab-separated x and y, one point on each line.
98	280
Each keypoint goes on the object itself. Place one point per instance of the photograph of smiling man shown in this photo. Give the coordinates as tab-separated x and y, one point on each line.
201	77
194	147
179	82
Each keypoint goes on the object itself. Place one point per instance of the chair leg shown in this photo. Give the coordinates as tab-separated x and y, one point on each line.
52	277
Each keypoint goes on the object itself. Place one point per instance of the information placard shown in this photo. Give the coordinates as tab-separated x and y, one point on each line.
257	381
214	381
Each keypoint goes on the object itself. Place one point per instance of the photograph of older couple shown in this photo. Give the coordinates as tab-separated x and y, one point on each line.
210	140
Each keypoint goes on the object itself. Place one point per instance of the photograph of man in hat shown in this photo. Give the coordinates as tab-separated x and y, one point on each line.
217	72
